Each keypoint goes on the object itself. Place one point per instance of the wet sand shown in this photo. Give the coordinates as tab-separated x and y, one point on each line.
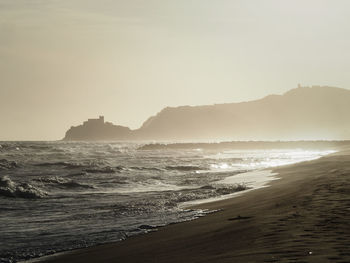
303	217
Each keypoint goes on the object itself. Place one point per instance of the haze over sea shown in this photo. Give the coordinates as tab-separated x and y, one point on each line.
57	196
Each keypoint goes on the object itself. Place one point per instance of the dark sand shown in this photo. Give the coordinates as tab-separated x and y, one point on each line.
303	217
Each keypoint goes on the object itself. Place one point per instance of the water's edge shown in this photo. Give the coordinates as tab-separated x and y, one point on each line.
265	176
103	177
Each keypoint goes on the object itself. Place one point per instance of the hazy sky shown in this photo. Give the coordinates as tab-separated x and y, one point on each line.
63	61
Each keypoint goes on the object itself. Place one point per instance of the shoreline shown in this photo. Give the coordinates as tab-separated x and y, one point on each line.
262	179
265	177
301	217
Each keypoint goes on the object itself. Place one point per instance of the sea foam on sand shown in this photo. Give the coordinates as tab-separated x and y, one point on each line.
252	180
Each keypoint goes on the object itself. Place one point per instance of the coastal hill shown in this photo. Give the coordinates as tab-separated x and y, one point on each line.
304	113
98	130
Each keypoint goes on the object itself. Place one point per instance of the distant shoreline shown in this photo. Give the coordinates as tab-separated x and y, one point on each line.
248	145
223	145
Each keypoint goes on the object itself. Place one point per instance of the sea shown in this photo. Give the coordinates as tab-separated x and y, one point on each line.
59	196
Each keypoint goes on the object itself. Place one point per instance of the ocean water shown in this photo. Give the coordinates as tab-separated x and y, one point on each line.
58	196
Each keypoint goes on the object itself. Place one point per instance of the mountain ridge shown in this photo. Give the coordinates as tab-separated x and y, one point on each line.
303	113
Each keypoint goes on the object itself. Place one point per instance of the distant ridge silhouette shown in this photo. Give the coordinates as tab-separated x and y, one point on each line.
97	130
304	113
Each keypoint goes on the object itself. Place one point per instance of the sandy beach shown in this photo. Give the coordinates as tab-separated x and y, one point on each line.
303	217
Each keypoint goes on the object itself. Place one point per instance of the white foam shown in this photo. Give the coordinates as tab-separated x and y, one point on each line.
140	188
253	180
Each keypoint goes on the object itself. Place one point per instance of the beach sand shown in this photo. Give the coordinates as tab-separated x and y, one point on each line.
303	217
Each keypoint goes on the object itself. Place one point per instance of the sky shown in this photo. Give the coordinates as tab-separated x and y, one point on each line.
63	61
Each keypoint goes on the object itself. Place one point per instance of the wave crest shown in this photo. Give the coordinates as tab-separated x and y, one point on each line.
102	170
185	168
64	164
7	165
62	183
9	188
204	192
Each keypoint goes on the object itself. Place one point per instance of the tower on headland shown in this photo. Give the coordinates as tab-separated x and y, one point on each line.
99	121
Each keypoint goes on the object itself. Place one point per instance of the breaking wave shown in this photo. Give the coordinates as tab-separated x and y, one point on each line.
8	188
104	170
185	168
226	189
64	164
7	165
208	191
62	183
145	168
